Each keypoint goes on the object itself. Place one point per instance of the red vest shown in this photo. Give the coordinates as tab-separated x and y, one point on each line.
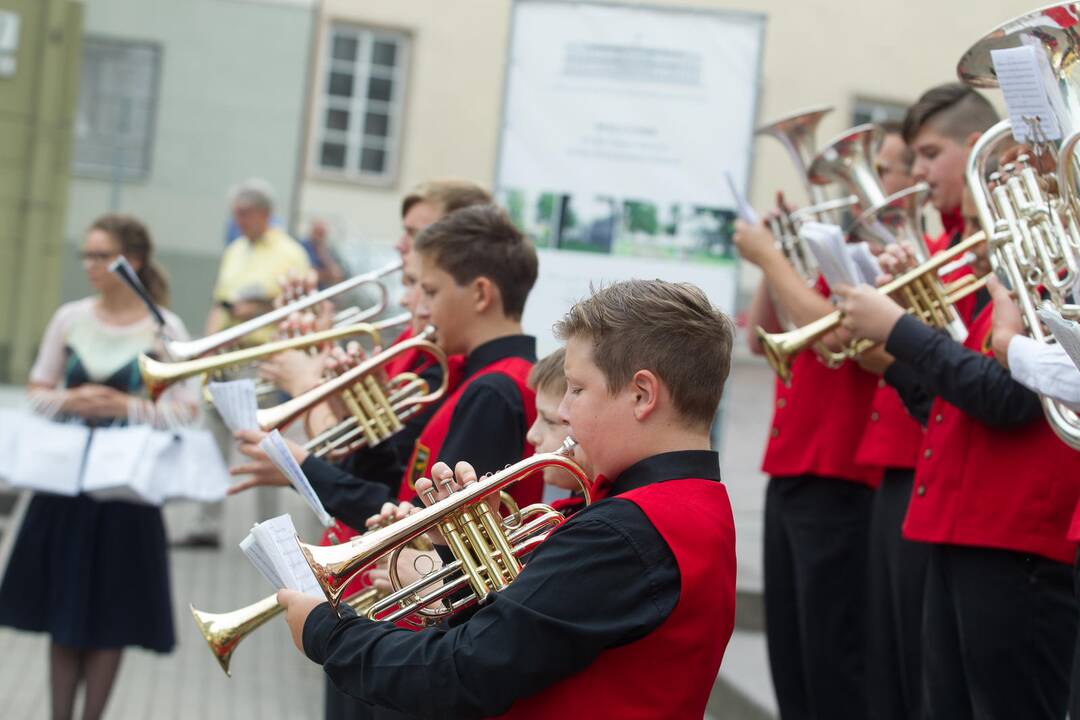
670	672
1010	488
818	420
1074	526
429	444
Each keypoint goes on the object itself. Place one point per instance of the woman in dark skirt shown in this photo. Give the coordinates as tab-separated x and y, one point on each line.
94	574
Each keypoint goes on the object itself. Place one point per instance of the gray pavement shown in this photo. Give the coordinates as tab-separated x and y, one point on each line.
271	680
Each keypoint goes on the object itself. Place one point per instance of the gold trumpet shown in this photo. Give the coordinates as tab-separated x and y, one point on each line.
920	290
377	408
224	631
487	547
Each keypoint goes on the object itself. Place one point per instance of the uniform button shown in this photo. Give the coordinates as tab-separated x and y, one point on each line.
881	382
921	490
938	418
774	432
874	416
781	403
927	453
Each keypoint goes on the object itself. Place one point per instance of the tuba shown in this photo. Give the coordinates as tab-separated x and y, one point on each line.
920	290
1030	213
487	547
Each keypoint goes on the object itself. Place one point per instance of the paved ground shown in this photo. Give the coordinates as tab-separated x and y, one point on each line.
271	680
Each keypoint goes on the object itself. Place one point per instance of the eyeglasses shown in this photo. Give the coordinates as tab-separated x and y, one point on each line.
96	257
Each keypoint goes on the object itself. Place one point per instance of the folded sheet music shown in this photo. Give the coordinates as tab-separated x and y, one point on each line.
272	548
236	402
840	262
275	448
1066	332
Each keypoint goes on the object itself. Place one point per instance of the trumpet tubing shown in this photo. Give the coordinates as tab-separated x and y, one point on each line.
921	291
486	557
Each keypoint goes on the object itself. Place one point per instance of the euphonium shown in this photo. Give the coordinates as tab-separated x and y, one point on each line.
919	289
848	160
188	349
224	631
377	408
1030	212
487	548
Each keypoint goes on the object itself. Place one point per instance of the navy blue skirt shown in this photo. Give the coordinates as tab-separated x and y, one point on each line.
94	575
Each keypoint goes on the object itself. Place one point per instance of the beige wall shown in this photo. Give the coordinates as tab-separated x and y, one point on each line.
816	52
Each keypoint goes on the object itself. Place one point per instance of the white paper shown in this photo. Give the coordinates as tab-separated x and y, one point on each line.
275	448
273	549
113	461
1066	332
1024	83
827	244
865	262
745	210
236	401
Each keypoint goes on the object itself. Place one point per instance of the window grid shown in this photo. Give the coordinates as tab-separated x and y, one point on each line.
358	136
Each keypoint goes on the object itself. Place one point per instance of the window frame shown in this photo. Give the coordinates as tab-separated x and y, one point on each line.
102	172
357	106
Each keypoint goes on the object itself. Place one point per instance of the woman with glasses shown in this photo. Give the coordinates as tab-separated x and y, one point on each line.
94	574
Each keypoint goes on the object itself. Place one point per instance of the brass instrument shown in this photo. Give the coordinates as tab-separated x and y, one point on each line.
189	349
487	547
896	218
377	408
1029	212
224	631
920	290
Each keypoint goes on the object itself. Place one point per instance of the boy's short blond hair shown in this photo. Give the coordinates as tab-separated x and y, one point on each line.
548	376
670	329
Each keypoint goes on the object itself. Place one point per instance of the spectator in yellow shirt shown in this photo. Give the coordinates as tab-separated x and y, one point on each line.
254	263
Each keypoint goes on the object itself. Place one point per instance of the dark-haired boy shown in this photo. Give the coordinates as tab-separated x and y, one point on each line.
625	611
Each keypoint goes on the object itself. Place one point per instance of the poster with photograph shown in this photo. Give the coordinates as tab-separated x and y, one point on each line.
619	125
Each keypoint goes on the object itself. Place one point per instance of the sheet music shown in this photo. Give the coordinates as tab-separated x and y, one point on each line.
275	448
1024	83
235	400
272	548
827	244
864	261
745	209
1066	332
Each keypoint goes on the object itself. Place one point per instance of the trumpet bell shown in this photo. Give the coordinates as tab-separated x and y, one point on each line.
848	159
224	631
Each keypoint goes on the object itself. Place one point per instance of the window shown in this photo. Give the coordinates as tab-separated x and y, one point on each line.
875	111
114	118
363	93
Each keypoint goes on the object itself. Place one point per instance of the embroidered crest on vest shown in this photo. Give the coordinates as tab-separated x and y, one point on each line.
418	465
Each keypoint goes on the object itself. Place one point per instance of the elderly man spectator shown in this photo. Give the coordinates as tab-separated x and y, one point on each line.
329	267
252	265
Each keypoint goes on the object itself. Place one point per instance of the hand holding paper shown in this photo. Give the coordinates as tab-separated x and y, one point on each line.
272	548
1066	332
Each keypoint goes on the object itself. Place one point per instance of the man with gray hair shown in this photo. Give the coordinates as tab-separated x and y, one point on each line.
253	264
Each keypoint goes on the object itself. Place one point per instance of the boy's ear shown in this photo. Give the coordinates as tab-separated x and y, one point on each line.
485	294
971	139
645	389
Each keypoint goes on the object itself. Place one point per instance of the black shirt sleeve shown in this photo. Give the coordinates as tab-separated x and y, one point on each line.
905	380
348	498
487	427
606	578
975	383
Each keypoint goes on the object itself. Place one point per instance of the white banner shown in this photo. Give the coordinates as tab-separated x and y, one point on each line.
619	125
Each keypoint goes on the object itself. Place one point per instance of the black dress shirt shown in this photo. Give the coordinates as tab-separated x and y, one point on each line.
487	428
604	579
929	363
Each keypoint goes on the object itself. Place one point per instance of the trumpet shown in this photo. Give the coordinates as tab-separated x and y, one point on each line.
224	631
189	349
1031	213
487	547
921	291
377	410
158	375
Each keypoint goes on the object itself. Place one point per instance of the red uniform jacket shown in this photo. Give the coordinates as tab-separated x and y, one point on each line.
670	672
818	421
1009	488
431	439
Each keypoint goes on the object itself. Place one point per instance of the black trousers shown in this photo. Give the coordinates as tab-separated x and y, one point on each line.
816	532
998	634
1074	701
897	571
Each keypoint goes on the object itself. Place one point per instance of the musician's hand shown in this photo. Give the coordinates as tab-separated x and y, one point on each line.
294	286
412	564
297	608
875	360
445	481
1007	320
294	371
867	313
755	243
896	259
263	472
389	514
